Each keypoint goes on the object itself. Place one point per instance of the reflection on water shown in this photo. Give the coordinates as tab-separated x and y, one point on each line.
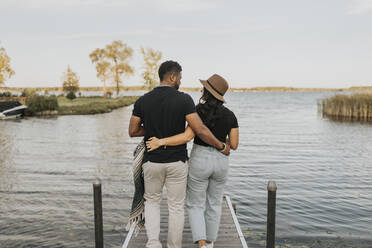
322	169
7	175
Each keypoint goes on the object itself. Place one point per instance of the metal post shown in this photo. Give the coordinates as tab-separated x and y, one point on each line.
271	205
98	221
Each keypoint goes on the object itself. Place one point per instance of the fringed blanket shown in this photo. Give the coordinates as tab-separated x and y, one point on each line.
138	205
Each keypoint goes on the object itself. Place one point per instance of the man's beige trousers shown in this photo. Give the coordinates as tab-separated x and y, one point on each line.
174	177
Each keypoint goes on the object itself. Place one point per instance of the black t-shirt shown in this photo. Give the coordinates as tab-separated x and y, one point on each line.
222	126
163	114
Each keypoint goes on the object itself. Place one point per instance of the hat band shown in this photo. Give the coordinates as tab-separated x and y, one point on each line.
214	88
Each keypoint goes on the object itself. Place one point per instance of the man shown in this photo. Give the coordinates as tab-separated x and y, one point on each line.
161	113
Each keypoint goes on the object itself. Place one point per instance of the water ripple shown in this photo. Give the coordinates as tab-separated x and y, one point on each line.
322	170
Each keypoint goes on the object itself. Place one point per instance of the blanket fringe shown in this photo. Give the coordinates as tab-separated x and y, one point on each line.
139	218
140	223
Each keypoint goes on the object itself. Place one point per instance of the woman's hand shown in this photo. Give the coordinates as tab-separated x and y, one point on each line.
153	143
226	151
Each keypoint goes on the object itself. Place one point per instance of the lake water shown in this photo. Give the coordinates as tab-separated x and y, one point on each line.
322	168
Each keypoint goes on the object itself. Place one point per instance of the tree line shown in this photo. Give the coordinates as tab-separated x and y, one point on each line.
112	64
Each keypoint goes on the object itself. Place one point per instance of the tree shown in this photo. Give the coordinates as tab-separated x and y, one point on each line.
98	57
6	71
151	66
119	55
70	81
113	61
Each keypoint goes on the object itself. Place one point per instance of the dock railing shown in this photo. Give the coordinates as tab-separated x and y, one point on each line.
98	220
271	209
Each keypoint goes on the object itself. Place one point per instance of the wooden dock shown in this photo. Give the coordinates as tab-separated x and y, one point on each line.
229	235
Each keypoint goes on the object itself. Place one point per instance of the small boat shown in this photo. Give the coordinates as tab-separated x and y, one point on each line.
11	109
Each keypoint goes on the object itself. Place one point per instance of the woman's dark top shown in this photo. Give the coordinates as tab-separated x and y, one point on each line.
222	126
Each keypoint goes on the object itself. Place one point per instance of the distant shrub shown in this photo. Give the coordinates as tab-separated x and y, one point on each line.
41	103
71	95
5	94
28	92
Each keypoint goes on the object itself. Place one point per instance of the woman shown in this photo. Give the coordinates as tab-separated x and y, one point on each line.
208	166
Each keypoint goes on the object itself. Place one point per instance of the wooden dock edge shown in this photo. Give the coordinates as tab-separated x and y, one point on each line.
130	234
232	211
236	222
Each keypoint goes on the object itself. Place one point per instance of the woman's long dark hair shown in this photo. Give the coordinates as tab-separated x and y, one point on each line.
209	109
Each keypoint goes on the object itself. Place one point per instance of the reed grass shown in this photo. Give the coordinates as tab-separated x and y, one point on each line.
357	107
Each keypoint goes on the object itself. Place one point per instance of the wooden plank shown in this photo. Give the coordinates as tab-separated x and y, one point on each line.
229	234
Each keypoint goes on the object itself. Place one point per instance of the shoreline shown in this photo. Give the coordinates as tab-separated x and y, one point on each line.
193	89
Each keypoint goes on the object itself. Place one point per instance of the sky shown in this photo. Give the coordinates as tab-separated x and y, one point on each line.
293	43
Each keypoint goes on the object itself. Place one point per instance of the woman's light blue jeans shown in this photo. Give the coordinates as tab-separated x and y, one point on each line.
205	185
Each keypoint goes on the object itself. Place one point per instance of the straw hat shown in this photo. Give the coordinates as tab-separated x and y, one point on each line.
216	85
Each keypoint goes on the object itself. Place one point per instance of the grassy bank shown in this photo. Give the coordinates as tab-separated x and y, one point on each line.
52	105
92	105
357	107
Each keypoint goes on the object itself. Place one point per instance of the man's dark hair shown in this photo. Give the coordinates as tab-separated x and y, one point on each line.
168	67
